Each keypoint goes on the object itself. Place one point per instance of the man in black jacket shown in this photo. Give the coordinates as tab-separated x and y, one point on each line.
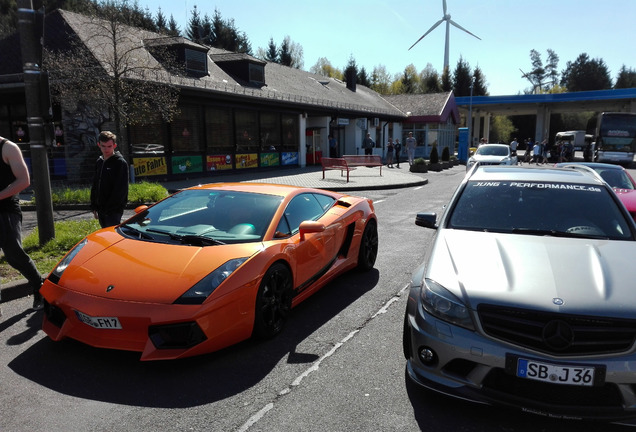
109	194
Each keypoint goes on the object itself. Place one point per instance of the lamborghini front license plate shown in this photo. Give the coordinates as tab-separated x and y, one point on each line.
110	323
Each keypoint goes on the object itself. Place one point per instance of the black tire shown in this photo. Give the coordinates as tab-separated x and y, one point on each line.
368	246
273	302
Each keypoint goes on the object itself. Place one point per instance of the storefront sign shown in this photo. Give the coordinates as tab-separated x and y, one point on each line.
150	166
269	159
186	164
219	162
247	160
290	158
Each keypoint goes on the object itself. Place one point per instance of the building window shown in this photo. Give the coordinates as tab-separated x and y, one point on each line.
147	139
290	129
246	131
196	62
185	130
257	73
218	127
270	131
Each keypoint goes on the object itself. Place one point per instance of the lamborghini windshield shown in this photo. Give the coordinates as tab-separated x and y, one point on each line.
205	217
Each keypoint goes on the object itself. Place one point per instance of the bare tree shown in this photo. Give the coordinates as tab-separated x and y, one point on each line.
324	67
109	73
290	53
380	80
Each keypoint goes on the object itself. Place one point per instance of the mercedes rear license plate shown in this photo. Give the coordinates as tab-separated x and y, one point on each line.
99	322
555	373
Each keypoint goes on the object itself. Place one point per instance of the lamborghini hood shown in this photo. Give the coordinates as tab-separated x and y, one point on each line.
568	275
133	270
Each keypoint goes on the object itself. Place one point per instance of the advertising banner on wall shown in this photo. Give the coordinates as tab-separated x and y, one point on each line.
150	166
219	162
269	159
247	160
186	164
290	158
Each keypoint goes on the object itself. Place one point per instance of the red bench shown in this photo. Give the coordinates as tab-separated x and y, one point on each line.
363	160
349	163
335	164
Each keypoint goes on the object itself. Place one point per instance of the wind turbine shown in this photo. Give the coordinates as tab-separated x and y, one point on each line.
449	21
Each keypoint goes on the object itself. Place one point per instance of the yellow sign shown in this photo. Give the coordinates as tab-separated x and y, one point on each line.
150	166
247	160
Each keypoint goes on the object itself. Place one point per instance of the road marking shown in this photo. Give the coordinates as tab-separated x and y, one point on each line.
314	367
256	417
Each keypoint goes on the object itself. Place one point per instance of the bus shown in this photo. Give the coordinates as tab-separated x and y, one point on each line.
615	137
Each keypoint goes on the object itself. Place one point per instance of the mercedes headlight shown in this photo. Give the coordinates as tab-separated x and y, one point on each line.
441	303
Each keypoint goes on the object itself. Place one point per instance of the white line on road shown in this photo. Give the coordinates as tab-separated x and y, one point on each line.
314	367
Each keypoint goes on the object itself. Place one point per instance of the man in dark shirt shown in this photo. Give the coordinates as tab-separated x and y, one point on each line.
368	144
109	194
14	178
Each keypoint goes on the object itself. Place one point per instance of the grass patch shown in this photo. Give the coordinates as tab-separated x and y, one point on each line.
45	257
138	193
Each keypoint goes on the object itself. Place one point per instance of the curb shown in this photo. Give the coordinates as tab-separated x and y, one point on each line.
14	290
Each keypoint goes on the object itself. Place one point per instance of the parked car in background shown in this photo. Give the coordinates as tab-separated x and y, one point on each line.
206	268
492	154
617	177
526	299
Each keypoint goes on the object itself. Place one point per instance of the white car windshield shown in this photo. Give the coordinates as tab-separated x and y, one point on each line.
492	151
541	208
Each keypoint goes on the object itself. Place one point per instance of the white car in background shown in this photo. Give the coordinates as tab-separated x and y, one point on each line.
492	154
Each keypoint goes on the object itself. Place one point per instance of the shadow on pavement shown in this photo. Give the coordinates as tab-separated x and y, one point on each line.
119	377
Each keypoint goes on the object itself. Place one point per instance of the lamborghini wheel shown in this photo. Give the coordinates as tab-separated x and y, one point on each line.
273	302
368	247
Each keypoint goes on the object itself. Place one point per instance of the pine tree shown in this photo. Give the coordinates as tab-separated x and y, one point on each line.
272	52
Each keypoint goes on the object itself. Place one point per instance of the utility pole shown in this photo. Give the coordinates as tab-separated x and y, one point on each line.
31	38
470	116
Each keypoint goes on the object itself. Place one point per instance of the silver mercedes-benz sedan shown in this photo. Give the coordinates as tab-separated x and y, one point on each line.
527	296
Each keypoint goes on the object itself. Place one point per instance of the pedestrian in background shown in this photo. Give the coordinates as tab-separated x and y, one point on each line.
389	153
333	147
528	154
513	149
513	146
368	144
411	143
14	178
398	150
109	194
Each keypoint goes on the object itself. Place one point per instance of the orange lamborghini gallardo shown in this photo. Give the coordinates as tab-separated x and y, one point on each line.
207	267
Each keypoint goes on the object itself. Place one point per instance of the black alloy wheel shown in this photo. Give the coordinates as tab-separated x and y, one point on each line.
273	302
368	246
